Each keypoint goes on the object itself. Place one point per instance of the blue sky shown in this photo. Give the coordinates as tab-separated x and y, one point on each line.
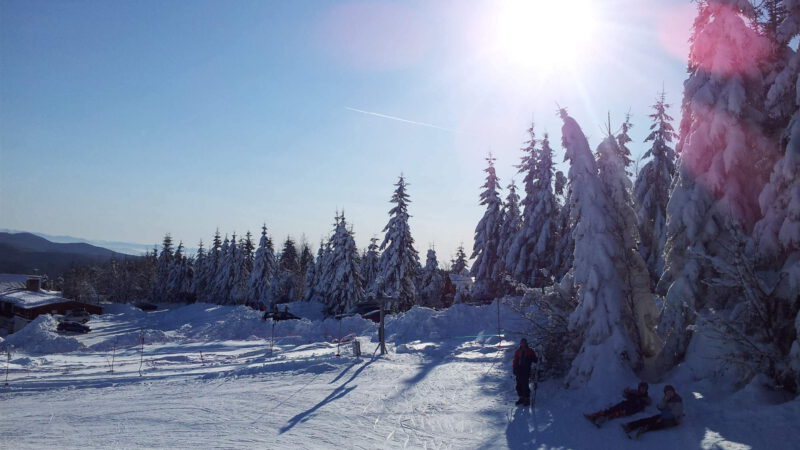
126	120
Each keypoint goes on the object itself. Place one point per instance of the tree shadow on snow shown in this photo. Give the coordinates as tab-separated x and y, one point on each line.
341	391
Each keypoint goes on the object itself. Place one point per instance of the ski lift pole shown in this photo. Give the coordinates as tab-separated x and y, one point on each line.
272	339
339	341
382	328
499	335
8	361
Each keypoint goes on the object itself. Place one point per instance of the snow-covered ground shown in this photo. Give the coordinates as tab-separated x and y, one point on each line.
212	376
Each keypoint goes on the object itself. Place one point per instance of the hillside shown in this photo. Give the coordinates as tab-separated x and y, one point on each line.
28	253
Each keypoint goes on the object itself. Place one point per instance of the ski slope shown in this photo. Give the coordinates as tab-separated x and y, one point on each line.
213	376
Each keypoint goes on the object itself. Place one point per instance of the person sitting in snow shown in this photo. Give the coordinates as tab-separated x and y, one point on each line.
671	408
524	357
636	400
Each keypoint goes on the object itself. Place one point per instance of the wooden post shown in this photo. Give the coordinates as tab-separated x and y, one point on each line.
381	329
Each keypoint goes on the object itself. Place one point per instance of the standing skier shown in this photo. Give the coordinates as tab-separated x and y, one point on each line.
524	357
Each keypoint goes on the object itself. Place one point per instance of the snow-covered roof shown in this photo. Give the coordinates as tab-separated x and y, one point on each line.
10	281
28	299
15	278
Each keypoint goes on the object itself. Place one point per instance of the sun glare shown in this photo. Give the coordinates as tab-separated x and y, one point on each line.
544	33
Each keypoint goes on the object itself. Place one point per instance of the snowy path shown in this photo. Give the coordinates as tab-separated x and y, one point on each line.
456	396
453	392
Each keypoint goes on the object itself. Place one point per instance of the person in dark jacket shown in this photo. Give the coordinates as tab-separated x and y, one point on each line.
671	408
636	400
524	357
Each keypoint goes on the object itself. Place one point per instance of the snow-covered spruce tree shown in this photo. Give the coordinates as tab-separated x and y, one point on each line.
399	261
287	289
459	263
603	320
200	271
163	268
213	262
718	179
532	250
431	282
517	258
231	273
613	158
178	274
511	224
369	265
564	247
307	264
320	285
248	254
777	233
545	217
486	268
264	268
220	289
651	191
346	288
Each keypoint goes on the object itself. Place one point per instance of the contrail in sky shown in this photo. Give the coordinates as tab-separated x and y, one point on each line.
370	113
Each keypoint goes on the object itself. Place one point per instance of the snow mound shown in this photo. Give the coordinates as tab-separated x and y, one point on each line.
478	323
123	309
132	339
307	310
38	337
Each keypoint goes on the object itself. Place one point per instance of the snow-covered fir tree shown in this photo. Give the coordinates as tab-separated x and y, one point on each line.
564	247
613	158
307	264
286	284
532	251
460	265
345	287
431	282
399	261
511	224
370	265
717	181
213	262
603	320
178	274
264	269
248	254
486	268
163	269
777	233
651	191
320	283
200	272
231	273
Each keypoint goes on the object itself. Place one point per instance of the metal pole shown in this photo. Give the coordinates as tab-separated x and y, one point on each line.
499	338
272	339
113	354
381	329
141	353
8	361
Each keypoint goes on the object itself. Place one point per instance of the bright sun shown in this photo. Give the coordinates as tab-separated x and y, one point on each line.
542	33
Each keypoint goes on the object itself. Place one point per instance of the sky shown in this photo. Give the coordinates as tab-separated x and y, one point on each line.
126	120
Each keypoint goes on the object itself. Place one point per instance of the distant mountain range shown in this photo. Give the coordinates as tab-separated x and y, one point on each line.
128	248
27	253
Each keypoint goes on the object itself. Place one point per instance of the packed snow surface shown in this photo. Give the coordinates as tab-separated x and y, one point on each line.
219	376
